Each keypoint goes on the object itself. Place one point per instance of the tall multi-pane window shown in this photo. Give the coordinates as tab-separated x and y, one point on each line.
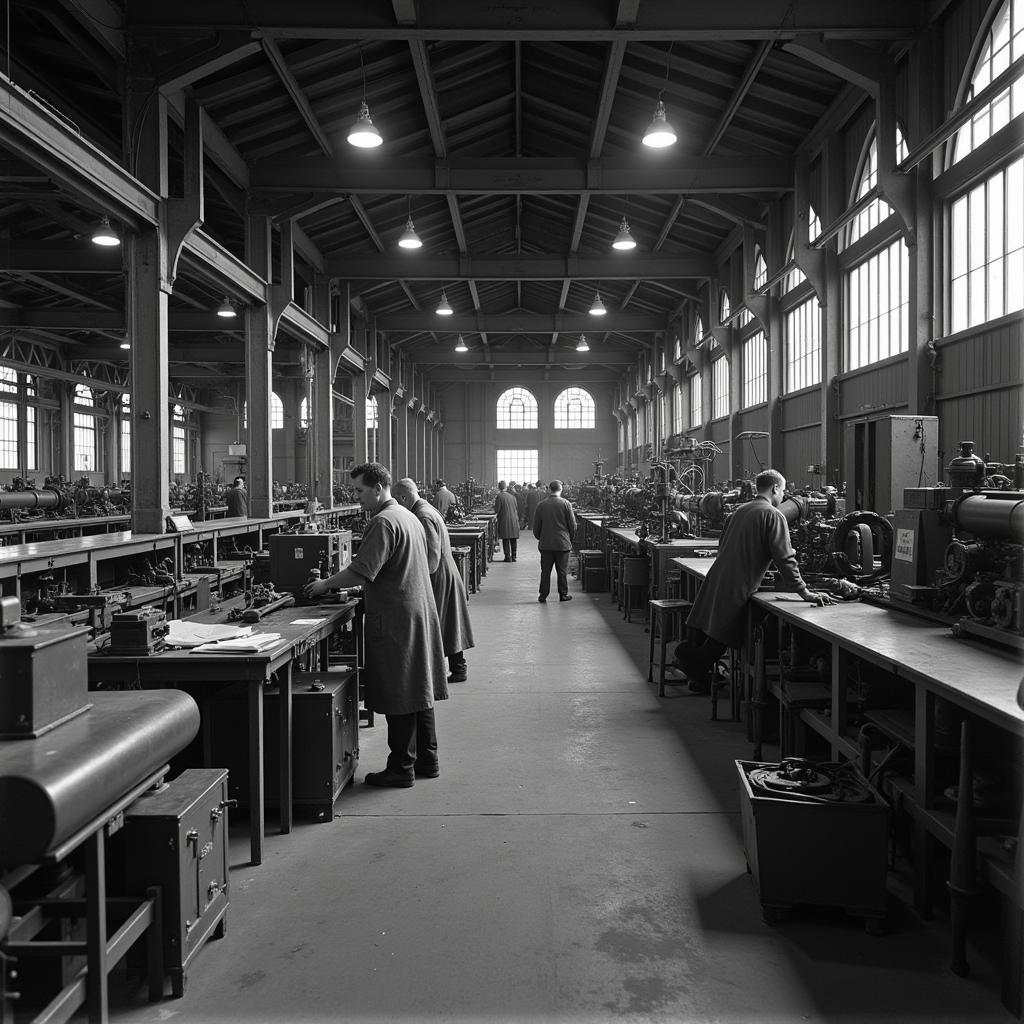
276	412
371	428
84	439
1003	44
516	410
696	403
126	433
986	242
719	388
519	464
8	418
801	333
877	303
178	440
678	423
755	370
574	410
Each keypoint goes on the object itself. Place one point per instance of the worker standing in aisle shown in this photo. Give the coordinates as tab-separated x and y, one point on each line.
507	511
405	666
445	580
555	529
756	535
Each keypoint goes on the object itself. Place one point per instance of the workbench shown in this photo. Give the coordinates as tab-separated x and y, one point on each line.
304	629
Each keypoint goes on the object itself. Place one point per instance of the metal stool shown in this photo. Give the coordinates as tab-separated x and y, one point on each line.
636	575
666	616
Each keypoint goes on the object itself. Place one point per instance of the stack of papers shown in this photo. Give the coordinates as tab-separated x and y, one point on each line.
181	633
255	643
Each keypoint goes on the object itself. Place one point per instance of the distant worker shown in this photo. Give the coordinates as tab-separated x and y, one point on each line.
755	535
555	530
443	498
405	670
445	579
535	496
237	499
508	521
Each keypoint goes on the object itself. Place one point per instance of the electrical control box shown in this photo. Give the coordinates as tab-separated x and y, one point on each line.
884	456
293	557
176	837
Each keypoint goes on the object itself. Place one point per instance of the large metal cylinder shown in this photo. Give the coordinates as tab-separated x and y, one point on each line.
53	786
44	498
992	514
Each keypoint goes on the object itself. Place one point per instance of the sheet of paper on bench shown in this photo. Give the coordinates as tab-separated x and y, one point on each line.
191	634
257	643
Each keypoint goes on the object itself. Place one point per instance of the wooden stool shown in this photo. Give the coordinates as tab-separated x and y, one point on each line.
636	575
666	616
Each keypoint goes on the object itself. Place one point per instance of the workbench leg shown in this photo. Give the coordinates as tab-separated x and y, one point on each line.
96	927
924	787
256	771
285	746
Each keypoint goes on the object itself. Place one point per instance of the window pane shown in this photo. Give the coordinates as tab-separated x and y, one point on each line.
516	410
518	464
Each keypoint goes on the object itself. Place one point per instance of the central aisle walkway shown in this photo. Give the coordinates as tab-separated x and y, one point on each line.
578	860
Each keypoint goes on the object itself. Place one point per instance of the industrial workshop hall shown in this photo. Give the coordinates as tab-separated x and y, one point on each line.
511	512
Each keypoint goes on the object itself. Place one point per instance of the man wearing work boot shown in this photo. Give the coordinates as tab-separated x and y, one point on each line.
756	535
449	589
554	526
404	653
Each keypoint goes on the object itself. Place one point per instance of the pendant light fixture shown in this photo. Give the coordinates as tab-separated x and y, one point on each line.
363	132
409	239
581	345
104	233
460	345
624	240
659	132
444	307
226	310
597	306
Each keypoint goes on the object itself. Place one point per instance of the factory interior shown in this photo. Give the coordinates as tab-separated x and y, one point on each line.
589	265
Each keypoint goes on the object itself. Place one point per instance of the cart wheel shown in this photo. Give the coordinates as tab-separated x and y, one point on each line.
773	915
875	925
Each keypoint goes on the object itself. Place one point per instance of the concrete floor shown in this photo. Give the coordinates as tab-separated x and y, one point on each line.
578	860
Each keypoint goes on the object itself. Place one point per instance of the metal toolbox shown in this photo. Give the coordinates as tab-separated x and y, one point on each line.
325	739
177	837
814	852
294	555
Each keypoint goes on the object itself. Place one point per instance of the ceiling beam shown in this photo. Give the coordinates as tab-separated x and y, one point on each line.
518	323
567	356
518	268
662	20
739	94
280	65
525	176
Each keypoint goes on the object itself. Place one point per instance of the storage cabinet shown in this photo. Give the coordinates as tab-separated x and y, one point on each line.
176	837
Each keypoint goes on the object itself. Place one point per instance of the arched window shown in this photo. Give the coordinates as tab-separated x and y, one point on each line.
876	211
1002	44
724	307
276	412
574	410
986	220
796	275
698	332
677	349
84	443
517	410
760	271
125	433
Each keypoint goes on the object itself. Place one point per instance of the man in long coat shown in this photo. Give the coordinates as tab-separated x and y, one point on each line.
443	498
508	521
535	496
519	493
756	535
554	526
448	586
404	652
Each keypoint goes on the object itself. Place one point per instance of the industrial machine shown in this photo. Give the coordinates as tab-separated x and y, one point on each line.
138	633
885	455
295	556
814	834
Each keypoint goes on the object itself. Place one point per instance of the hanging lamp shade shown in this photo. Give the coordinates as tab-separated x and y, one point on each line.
659	132
460	345
444	306
363	132
597	306
226	310
104	233
409	239
581	345
624	240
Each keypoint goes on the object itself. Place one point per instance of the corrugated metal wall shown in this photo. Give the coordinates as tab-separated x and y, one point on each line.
800	436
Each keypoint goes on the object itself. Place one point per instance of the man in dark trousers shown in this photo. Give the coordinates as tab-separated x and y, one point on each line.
448	586
554	526
756	535
405	666
508	521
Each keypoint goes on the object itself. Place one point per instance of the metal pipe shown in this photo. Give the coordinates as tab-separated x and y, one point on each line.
44	498
999	514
